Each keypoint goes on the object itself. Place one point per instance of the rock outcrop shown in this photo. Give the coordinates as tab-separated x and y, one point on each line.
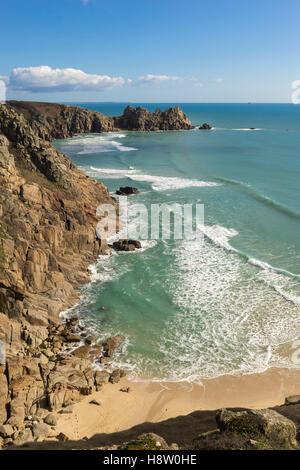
127	245
205	127
140	119
147	441
127	191
58	121
250	430
265	426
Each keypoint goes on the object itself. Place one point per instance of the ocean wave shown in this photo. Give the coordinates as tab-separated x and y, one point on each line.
260	197
159	183
235	317
220	236
247	129
108	173
95	143
164	183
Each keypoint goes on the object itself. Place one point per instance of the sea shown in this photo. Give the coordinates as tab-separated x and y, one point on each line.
228	302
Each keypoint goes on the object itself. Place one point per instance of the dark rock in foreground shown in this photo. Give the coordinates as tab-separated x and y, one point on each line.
127	245
148	441
205	127
127	191
262	428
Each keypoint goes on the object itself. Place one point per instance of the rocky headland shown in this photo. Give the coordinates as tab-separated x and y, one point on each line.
58	121
140	119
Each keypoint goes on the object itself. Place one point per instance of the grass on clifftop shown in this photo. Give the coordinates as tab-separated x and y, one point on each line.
37	178
144	444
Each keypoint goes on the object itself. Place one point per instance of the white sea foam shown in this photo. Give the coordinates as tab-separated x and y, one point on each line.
219	235
95	143
164	183
109	173
232	321
159	183
247	129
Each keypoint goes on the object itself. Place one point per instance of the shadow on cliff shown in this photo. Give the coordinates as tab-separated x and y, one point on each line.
181	430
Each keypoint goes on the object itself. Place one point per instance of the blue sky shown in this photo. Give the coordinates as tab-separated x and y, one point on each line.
154	50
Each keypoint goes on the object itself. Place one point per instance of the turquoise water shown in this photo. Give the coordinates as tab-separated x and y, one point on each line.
232	303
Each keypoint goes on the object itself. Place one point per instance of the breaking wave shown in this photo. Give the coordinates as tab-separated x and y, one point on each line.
95	143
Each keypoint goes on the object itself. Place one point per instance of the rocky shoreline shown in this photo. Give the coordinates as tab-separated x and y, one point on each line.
57	121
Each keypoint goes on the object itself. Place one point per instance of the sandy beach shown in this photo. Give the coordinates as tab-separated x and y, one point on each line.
146	402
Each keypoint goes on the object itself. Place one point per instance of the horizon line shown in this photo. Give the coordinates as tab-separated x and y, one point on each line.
157	102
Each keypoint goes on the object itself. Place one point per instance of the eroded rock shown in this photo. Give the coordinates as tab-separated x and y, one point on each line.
259	425
116	376
205	127
127	191
112	344
127	245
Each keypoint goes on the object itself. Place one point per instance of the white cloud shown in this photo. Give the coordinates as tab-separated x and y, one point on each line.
219	80
4	79
157	79
44	78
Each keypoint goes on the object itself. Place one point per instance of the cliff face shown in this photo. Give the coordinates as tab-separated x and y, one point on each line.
47	240
140	119
57	121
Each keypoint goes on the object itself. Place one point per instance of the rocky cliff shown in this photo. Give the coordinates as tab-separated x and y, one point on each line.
47	240
57	121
